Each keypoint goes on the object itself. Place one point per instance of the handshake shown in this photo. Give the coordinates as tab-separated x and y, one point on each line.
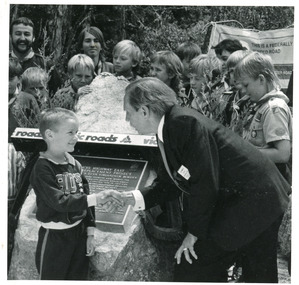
112	201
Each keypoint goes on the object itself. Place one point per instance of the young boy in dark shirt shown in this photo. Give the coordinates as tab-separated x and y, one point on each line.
64	206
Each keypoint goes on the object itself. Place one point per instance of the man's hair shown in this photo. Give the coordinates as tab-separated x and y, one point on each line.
173	66
128	45
22	20
81	61
53	117
34	75
206	65
151	92
97	33
230	45
255	64
15	68
188	50
236	57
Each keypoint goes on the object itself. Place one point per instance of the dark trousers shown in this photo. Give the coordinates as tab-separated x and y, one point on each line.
258	260
61	254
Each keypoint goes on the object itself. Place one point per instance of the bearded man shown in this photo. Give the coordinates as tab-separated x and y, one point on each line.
22	39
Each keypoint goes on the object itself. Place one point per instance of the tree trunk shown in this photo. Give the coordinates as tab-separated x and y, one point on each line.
61	21
14	11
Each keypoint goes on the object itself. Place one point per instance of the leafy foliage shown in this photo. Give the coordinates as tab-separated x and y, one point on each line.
153	28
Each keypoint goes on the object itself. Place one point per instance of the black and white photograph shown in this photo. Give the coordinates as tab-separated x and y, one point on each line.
149	142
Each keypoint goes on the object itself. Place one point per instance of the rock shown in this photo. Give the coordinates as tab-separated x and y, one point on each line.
102	109
23	257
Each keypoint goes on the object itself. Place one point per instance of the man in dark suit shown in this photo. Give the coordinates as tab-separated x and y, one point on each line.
233	197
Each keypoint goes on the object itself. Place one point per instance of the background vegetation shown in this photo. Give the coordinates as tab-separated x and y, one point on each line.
153	28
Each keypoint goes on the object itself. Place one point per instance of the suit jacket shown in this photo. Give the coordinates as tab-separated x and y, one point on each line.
235	192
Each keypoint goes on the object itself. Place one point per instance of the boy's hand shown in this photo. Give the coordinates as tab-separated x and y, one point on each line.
84	90
110	198
90	246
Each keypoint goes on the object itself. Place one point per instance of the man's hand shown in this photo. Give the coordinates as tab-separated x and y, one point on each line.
90	246
128	198
187	248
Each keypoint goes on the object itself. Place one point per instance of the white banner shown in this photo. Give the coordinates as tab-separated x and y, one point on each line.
91	137
276	43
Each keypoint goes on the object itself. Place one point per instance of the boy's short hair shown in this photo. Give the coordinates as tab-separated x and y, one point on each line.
34	75
131	47
22	20
80	60
255	64
188	50
236	57
51	118
207	65
15	68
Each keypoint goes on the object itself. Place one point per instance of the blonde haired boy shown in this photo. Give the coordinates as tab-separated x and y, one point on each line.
126	59
81	73
65	208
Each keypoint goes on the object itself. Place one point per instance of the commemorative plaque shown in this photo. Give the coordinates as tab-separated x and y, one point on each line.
109	160
105	173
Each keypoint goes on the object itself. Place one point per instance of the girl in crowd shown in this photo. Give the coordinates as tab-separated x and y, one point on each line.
167	66
91	42
206	94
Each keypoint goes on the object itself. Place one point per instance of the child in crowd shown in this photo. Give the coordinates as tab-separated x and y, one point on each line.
206	96
81	73
14	88
34	82
224	49
22	106
64	206
91	42
240	106
186	52
167	66
16	159
270	128
126	59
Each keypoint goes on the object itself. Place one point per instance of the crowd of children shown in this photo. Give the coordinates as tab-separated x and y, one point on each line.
234	86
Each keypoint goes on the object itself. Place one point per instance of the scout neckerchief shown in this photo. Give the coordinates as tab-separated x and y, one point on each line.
253	109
